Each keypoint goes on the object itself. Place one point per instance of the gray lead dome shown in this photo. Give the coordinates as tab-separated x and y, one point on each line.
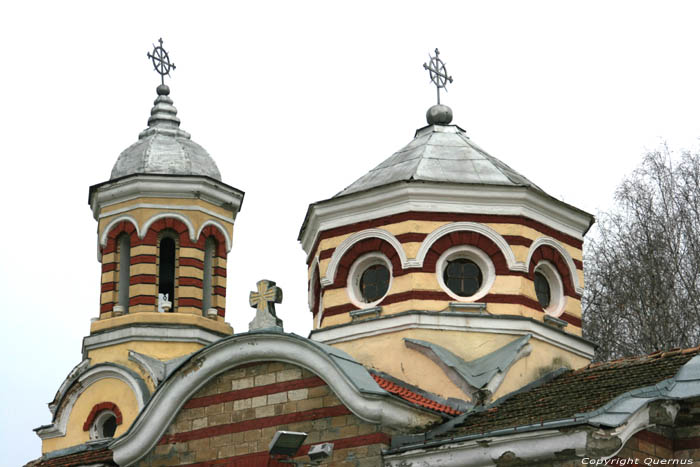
440	153
163	148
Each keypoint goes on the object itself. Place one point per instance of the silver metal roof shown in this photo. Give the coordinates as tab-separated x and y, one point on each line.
163	148
478	372
440	153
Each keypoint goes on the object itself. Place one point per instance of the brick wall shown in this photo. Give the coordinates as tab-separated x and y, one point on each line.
232	419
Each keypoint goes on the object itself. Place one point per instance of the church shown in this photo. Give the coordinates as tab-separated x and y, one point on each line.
444	290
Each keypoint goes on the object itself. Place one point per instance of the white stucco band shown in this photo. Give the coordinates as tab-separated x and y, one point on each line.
161	186
455	321
347	379
144	332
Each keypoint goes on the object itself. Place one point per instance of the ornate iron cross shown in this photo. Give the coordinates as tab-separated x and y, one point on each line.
438	73
265	298
161	60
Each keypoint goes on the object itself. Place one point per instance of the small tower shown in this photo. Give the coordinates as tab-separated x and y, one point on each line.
443	256
165	227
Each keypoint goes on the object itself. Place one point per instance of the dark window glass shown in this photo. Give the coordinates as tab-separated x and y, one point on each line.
374	283
316	292
207	284
109	426
542	290
166	276
124	265
462	277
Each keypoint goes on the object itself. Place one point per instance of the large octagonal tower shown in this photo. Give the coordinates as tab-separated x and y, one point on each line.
445	267
165	226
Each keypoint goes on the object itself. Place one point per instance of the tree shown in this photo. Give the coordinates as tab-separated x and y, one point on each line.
643	263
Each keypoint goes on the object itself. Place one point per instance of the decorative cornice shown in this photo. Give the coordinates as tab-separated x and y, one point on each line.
454	321
441	197
144	332
164	186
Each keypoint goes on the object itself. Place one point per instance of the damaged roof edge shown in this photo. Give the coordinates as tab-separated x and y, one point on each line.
687	376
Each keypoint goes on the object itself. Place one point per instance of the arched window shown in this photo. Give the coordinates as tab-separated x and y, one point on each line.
207	284
166	273
124	249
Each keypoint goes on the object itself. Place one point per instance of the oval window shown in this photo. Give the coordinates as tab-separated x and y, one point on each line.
374	283
542	290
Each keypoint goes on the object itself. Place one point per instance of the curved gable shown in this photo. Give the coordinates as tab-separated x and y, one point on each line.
281	364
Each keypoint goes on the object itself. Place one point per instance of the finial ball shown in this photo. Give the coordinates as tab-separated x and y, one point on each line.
439	115
163	90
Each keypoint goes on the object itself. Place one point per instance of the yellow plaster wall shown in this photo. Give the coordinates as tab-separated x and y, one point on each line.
388	353
119	353
104	390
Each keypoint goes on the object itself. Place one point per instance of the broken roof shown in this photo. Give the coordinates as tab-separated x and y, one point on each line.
417	396
600	394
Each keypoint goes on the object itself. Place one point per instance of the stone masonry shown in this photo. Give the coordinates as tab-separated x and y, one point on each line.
232	419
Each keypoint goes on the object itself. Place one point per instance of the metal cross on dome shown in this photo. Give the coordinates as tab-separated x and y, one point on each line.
438	73
161	60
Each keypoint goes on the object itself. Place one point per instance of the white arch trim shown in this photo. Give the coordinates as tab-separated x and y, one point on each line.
371	404
89	377
316	265
482	229
220	228
163	215
348	243
564	254
115	221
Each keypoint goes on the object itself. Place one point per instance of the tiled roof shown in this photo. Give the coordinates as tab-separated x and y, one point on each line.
101	456
395	388
572	394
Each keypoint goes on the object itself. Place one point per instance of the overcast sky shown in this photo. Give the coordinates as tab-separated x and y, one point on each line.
295	101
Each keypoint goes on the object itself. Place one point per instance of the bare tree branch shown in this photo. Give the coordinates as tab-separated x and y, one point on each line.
643	264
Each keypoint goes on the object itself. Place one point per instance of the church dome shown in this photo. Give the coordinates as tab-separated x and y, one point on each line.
440	152
163	148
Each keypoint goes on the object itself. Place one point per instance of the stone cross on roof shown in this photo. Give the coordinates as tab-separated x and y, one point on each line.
264	302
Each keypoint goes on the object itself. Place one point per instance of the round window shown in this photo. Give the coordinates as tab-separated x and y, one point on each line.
374	283
549	288
104	425
369	279
465	272
542	290
463	277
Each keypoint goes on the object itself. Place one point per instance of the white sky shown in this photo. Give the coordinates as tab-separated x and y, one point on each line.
295	101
